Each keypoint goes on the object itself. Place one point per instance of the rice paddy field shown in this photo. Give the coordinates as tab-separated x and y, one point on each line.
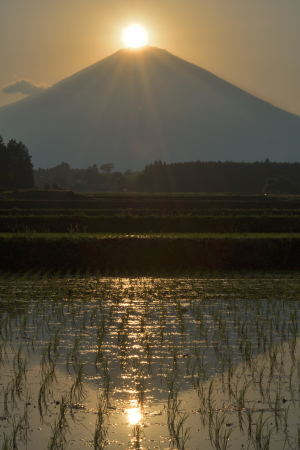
150	362
149	322
147	234
148	254
60	211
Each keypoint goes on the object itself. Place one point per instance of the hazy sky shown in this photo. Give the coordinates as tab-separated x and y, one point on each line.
255	44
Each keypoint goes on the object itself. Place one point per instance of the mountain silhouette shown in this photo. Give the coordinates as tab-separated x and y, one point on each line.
137	106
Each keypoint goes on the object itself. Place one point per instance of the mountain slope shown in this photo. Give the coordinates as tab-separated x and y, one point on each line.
137	106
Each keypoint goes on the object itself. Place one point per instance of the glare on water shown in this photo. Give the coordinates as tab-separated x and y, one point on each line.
150	363
134	414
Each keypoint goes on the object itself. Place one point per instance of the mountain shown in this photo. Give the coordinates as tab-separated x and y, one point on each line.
137	106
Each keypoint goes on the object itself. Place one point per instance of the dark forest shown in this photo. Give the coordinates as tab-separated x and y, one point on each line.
234	177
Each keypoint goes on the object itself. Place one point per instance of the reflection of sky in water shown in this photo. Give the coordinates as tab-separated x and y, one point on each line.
149	328
139	339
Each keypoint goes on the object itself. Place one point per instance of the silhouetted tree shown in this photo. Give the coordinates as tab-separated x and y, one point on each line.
107	168
92	178
16	169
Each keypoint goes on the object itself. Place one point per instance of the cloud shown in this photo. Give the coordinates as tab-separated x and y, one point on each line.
24	87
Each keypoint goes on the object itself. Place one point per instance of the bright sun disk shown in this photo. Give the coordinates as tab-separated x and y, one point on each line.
135	36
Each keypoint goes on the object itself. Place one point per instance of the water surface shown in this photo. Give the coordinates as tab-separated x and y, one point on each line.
149	363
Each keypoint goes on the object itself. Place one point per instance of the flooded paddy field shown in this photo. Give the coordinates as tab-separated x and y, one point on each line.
150	363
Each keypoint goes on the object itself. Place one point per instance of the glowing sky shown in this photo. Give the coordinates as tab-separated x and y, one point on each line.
254	44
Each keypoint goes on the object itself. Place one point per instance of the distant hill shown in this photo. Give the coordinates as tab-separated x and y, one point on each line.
135	107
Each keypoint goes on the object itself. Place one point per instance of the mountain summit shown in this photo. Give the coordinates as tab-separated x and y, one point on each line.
137	106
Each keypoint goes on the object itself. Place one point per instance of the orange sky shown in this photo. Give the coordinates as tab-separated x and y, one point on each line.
254	44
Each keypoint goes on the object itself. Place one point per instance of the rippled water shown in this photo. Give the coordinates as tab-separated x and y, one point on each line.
150	363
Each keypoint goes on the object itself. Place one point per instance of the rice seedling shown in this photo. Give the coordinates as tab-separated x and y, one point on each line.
77	391
45	394
179	432
100	433
60	428
219	355
262	437
219	433
6	442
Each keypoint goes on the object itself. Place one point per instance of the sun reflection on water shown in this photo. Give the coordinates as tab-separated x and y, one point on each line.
134	413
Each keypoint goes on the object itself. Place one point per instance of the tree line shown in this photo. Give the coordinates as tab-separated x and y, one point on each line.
235	177
16	169
17	172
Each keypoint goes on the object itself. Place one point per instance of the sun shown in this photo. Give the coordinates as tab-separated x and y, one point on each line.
135	36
